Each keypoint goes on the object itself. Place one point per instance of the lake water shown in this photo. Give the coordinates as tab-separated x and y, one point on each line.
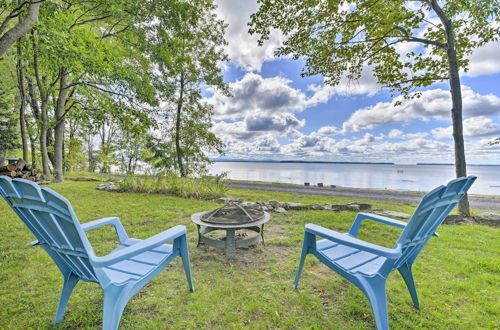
398	177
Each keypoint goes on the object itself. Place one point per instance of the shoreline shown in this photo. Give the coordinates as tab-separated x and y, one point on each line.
343	188
477	201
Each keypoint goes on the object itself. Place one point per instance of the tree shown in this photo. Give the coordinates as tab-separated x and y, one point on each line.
187	45
26	11
76	47
8	129
8	124
343	37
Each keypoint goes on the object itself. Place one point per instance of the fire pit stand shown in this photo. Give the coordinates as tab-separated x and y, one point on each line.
229	243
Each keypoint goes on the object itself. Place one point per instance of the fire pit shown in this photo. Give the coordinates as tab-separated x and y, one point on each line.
231	218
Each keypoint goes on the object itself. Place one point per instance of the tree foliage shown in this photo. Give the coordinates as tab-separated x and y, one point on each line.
341	38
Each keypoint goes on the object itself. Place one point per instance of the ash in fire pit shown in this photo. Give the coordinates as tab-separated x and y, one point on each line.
234	213
230	218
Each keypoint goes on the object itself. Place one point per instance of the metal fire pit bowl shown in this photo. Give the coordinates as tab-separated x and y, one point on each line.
231	218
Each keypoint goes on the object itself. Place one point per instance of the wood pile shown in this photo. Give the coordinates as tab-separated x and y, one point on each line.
21	169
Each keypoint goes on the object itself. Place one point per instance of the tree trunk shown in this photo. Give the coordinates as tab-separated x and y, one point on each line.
33	151
43	143
456	99
178	128
42	110
2	157
59	129
458	136
22	106
20	29
90	154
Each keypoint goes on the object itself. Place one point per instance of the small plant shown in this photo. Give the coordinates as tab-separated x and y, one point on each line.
188	187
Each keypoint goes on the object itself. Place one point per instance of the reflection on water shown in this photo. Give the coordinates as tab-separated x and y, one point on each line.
400	177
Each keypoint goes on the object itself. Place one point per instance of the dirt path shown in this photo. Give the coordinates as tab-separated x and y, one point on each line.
484	203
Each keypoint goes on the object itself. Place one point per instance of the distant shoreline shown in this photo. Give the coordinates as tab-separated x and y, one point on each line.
333	162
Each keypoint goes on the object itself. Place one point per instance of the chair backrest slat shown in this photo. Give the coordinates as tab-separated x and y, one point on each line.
430	213
51	219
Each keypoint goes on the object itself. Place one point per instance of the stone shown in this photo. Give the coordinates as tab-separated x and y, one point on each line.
339	208
109	186
274	203
456	219
249	204
489	219
327	206
316	207
393	214
223	200
294	206
355	206
279	209
320	184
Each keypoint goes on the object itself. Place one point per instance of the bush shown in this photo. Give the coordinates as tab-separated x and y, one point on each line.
188	187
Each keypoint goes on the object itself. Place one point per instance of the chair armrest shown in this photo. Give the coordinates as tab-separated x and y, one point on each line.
32	244
138	248
354	242
115	221
356	225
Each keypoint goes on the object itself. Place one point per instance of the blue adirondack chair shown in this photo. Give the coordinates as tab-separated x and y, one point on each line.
367	265
121	273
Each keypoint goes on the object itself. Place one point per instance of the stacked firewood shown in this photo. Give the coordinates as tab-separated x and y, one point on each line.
21	169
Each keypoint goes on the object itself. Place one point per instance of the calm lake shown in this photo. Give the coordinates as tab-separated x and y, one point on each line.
398	177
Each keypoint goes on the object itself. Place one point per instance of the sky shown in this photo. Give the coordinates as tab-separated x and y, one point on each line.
276	114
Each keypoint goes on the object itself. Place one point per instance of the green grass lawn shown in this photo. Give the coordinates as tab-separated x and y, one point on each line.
457	275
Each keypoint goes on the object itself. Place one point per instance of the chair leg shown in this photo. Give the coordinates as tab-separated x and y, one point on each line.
115	300
70	281
406	272
374	290
184	252
305	250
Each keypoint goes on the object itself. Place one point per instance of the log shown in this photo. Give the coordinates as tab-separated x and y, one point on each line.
28	167
12	174
8	168
34	171
31	179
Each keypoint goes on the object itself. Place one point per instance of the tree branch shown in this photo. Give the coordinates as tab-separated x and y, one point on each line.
20	29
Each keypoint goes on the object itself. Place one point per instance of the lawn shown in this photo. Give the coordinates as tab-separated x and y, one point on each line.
457	275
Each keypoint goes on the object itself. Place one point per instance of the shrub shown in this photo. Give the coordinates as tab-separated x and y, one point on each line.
187	187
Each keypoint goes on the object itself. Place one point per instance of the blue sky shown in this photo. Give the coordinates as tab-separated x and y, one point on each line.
276	114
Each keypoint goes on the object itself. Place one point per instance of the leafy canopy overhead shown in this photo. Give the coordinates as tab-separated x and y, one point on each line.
343	37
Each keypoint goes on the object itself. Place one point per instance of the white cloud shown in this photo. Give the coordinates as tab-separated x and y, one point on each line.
243	49
398	134
257	125
264	145
435	103
329	130
484	60
253	93
395	133
473	127
365	85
